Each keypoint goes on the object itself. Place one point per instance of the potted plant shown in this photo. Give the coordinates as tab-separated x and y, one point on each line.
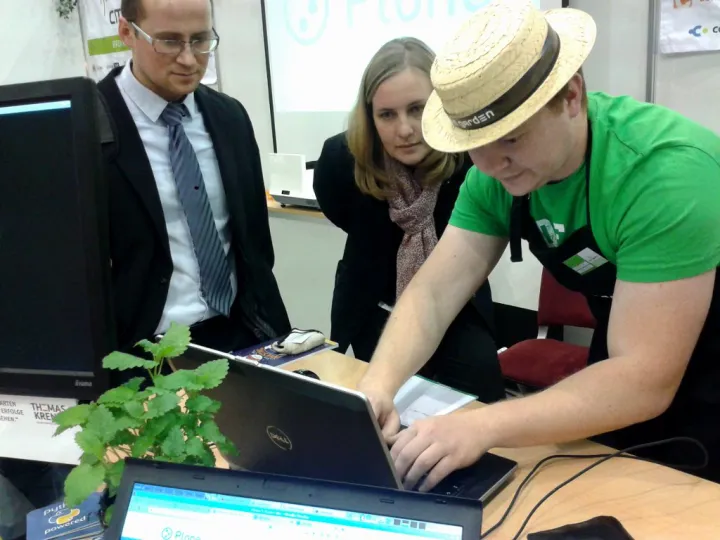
169	420
65	7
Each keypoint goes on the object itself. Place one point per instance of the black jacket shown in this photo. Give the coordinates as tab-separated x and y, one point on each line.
139	246
366	274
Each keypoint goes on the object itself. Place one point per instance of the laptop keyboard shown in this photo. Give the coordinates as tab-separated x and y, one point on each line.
452	485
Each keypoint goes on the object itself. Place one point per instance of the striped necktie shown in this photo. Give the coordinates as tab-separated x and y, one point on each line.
214	268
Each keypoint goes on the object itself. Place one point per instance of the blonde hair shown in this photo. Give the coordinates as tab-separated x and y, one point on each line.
363	139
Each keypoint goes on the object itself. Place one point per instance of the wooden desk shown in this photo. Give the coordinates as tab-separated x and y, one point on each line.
275	207
650	501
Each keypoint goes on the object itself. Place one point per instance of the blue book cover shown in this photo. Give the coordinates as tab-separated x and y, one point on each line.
265	354
58	522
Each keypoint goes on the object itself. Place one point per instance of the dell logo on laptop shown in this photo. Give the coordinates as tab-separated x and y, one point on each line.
278	437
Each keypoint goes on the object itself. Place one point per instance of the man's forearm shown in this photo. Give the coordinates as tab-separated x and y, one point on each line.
457	267
603	397
413	332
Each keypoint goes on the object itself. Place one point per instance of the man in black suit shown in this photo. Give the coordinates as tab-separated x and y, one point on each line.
190	237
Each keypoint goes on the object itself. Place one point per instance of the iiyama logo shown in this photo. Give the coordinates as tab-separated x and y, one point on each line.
279	438
86	384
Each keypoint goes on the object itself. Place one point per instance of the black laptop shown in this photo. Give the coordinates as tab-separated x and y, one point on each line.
162	501
291	424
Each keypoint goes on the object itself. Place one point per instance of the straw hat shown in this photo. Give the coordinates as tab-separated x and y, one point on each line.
503	65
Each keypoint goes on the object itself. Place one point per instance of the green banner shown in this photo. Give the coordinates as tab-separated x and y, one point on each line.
106	45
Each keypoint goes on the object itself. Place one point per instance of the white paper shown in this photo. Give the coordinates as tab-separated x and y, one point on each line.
26	430
689	26
420	398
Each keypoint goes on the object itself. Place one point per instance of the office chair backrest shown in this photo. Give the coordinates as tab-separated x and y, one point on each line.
559	306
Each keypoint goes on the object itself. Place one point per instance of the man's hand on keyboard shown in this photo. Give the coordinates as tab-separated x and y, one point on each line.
437	446
384	409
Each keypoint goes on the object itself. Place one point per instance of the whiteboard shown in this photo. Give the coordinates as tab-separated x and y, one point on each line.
318	49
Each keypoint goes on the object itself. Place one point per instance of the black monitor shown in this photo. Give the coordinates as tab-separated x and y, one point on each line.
56	321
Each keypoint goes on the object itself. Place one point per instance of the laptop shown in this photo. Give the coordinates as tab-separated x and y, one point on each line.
290	424
167	501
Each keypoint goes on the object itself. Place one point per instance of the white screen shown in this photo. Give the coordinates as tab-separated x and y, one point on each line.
157	512
318	50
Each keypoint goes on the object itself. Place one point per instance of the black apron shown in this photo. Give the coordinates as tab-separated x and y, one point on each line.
695	411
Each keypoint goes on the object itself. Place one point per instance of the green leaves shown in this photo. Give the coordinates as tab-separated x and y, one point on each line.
210	432
227	447
90	443
174	444
128	421
205	377
211	374
202	404
134	409
122	361
113	475
175	341
183	379
149	347
109	515
158	427
101	423
194	447
162	404
142	445
72	417
135	383
117	396
83	481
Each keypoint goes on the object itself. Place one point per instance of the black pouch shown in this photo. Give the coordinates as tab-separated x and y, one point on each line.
599	528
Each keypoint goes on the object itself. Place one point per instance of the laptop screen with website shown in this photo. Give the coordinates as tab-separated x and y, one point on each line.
177	514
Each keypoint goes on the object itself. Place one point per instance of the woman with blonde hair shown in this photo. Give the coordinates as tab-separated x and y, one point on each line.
393	196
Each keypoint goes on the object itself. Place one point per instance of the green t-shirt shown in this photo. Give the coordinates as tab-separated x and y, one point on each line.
654	194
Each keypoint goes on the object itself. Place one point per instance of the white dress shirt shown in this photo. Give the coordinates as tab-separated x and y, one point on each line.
185	303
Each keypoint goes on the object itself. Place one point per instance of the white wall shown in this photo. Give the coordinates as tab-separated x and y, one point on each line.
36	44
241	63
617	64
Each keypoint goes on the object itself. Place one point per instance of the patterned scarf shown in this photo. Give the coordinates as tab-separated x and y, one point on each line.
411	209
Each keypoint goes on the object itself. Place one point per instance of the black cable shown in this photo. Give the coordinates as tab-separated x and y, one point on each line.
266	45
601	459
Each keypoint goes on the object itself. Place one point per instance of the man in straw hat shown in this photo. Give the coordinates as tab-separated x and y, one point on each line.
549	157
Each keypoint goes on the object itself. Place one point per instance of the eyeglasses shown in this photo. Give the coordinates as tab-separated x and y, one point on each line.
177	46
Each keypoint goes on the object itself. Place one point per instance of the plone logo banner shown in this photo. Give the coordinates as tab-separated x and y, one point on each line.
689	26
103	48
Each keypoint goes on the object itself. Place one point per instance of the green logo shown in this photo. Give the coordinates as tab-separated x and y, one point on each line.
551	232
585	261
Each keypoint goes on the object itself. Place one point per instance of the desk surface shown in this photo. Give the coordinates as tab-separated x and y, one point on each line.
650	501
275	207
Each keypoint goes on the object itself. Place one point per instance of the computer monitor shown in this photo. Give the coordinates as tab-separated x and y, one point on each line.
56	321
166	500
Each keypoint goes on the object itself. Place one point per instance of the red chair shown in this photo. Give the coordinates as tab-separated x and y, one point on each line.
542	362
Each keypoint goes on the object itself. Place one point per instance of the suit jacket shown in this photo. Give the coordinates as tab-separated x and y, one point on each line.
366	274
139	246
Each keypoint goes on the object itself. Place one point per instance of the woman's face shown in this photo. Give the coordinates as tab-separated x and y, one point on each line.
397	108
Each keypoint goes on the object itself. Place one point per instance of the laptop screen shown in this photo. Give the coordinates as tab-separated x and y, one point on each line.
170	514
